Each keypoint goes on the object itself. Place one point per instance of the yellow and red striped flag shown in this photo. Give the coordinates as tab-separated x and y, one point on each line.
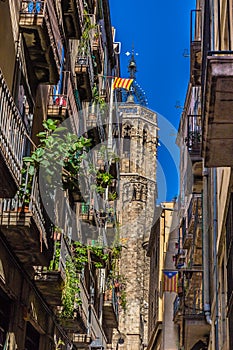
124	83
170	281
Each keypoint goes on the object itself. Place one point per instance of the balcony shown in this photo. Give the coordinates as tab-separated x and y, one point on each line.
85	77
218	110
193	139
110	309
193	221
78	324
187	239
96	329
39	25
12	141
63	105
81	341
194	212
86	213
91	121
180	258
72	11
57	107
94	125
50	285
195	47
193	142
188	309
97	48
26	229
50	281
194	320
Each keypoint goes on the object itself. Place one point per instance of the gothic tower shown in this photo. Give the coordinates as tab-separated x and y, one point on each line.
138	190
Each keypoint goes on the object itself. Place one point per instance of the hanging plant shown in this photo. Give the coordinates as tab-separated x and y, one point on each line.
84	42
71	292
104	179
82	252
54	263
97	100
58	150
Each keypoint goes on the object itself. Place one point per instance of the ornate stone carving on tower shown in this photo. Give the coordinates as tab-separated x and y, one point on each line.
138	190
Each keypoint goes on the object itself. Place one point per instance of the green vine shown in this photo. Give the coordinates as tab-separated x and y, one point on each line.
123	300
97	100
71	291
81	253
85	38
54	263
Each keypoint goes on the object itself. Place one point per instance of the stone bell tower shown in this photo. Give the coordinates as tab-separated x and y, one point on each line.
138	191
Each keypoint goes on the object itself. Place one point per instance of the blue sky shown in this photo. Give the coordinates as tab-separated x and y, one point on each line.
160	31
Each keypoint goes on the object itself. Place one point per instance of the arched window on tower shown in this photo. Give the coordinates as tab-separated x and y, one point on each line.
144	137
126	133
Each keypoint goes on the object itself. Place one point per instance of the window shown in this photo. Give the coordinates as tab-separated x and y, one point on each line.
32	338
126	139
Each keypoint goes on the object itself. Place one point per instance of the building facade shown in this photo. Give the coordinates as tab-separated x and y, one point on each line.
162	332
203	312
56	287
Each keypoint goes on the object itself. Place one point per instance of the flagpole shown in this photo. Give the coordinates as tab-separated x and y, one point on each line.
110	116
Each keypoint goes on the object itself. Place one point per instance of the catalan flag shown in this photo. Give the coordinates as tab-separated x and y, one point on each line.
170	281
122	83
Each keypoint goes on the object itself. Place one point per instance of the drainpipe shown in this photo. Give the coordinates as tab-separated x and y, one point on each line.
215	256
212	35
206	248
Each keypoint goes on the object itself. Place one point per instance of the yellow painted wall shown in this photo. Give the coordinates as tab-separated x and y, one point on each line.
8	40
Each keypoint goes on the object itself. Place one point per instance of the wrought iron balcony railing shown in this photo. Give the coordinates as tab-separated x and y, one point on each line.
24	224
12	133
57	106
85	76
194	210
195	47
111	302
194	134
189	302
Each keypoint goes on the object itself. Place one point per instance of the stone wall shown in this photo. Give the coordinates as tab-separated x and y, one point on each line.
136	212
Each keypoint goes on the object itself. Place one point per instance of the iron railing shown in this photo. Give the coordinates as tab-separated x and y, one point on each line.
194	209
33	205
190	302
194	134
96	329
111	296
86	62
12	131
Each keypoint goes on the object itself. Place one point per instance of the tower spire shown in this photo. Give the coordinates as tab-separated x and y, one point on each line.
135	94
132	67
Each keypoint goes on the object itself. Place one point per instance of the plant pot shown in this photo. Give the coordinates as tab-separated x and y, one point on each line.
23	209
